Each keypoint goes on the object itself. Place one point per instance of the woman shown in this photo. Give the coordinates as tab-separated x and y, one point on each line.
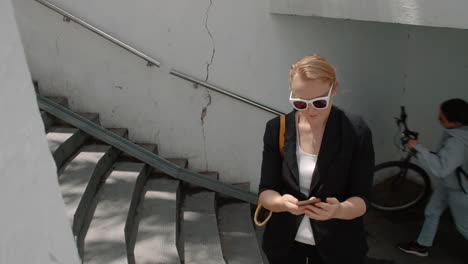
328	154
450	163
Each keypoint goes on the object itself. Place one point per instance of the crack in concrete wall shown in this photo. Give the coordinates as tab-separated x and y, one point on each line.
208	95
405	74
208	65
202	118
205	109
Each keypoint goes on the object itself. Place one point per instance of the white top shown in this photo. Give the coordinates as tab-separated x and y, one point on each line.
306	163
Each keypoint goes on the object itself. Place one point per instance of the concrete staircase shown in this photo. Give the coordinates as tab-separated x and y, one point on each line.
200	233
124	211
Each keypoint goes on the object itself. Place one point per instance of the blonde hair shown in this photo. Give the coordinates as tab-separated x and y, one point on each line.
312	68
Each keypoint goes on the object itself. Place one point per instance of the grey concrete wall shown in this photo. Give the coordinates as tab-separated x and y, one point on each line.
241	47
435	13
33	225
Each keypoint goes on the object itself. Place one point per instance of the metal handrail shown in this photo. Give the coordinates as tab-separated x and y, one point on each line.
142	154
222	91
152	61
101	33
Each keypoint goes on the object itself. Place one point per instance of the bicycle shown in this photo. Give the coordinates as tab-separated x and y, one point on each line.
399	185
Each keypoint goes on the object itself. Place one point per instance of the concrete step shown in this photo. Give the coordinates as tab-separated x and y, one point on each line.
259	234
131	227
121	132
64	142
193	188
63	101
158	216
106	237
183	163
242	185
238	237
93	117
199	230
153	148
212	174
147	238
47	119
80	179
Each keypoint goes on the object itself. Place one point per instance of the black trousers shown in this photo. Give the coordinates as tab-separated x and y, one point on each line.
300	254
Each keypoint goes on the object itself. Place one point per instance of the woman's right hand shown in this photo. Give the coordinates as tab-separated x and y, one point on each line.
275	202
289	204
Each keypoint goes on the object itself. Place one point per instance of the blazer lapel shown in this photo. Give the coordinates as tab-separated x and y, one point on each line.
330	145
290	147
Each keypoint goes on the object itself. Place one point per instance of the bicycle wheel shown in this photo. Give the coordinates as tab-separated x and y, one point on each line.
394	190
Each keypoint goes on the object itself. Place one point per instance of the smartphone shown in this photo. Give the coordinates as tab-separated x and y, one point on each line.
313	201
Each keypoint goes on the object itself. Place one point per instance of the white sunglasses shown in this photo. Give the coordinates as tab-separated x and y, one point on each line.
319	103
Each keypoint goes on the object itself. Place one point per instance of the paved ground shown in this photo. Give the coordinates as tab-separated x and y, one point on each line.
387	229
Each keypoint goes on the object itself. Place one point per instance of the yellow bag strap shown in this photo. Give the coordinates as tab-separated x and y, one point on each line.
257	211
281	134
281	144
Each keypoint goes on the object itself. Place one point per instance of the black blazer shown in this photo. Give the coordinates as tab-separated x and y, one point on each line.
344	169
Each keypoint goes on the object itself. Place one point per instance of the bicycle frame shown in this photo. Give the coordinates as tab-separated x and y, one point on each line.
403	173
401	190
405	137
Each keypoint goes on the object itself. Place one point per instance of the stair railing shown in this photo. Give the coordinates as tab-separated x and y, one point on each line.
142	154
151	61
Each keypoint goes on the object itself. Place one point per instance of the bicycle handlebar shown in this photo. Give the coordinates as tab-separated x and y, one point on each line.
406	134
403	115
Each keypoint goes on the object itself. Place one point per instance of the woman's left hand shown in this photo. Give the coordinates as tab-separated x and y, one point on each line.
324	211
